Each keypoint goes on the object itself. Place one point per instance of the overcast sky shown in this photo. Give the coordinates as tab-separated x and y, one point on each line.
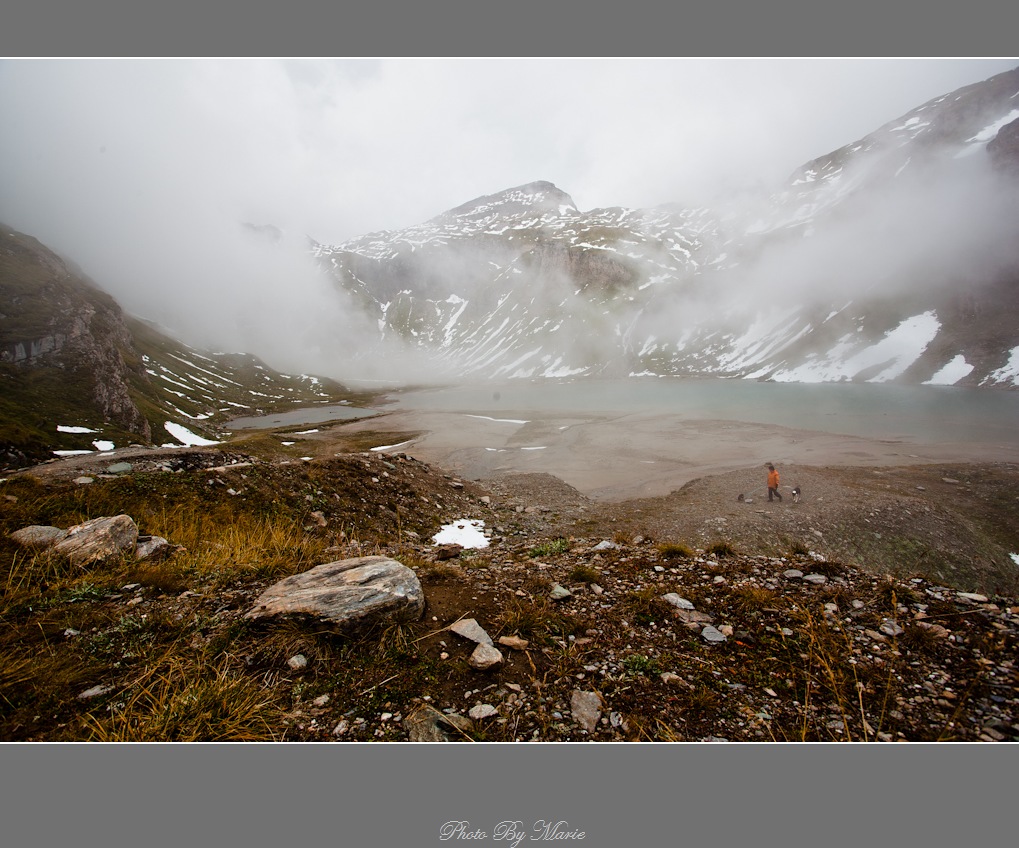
141	169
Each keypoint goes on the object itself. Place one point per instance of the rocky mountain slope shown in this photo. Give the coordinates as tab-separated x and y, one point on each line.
892	258
77	374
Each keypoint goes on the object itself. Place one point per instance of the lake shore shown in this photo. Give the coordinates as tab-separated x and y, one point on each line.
615	458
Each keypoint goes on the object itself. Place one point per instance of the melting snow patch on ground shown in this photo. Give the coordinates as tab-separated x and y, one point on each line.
1015	558
465	532
103	445
63	428
185	436
387	447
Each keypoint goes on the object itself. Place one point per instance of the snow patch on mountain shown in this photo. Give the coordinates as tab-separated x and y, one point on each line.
899	349
1008	373
951	372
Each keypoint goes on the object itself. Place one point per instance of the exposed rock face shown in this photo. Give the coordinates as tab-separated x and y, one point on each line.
98	539
347	592
1003	149
54	318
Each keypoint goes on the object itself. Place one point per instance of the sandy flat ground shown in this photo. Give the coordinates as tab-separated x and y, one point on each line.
645	454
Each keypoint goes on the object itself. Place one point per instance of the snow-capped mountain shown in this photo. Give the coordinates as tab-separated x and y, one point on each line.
895	257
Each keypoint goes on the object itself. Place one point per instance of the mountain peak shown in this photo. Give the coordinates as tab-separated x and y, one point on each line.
540	196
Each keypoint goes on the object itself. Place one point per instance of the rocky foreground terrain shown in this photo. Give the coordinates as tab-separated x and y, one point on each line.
692	617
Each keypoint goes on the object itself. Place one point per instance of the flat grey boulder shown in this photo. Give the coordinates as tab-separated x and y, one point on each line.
470	629
486	657
677	601
38	536
97	540
346	592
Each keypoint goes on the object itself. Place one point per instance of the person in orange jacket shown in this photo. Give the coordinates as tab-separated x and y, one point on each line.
773	491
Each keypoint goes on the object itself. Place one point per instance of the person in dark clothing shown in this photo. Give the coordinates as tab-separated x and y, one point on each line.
773	483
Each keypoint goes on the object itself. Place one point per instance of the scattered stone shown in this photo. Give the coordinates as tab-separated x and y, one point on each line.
950	480
84	481
598	590
98	540
95	692
321	701
486	657
725	629
514	642
670	678
341	728
470	629
935	629
815	579
586	709
450	551
427	724
120	468
711	634
693	617
559	593
152	547
973	596
677	601
890	627
792	574
482	711
606	546
297	662
347	592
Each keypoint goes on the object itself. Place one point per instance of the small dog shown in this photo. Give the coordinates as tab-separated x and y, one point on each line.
796	494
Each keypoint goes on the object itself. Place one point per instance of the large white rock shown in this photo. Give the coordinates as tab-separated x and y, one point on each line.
98	539
349	591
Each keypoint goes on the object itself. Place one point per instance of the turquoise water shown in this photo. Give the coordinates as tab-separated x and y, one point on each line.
879	410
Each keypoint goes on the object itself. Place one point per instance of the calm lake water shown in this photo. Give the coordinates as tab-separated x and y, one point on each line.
305	415
921	413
